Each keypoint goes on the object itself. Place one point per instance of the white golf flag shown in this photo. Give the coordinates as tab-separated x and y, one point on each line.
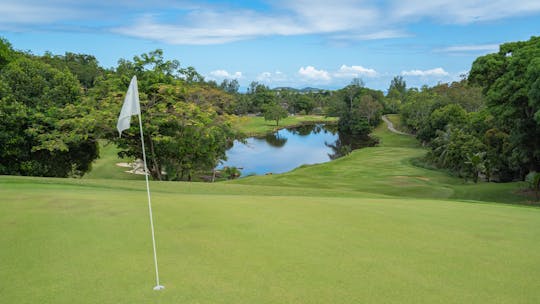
131	106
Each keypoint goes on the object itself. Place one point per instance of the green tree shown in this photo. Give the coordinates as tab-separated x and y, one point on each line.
185	132
370	110
230	86
397	92
463	93
260	97
353	124
398	87
352	91
452	114
499	152
358	108
189	74
417	108
274	112
208	96
510	81
85	67
303	103
7	54
453	148
47	129
476	164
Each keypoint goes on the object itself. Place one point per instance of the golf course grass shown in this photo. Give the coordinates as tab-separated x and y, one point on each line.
387	169
257	125
367	228
106	166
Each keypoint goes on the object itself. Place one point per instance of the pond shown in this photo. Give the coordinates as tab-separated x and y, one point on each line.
287	149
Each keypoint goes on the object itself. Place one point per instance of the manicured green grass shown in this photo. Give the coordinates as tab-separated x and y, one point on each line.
255	125
105	166
367	228
66	241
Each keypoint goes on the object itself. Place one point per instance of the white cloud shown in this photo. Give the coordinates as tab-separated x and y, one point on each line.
189	22
213	27
324	16
336	20
312	74
342	20
272	77
437	72
222	74
471	48
264	76
354	72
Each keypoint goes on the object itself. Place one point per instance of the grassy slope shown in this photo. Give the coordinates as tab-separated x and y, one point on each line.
105	166
387	169
275	239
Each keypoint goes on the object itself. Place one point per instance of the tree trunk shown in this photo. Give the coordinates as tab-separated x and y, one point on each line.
156	165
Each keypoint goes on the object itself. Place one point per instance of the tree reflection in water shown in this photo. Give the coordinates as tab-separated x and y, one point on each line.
345	144
275	140
287	149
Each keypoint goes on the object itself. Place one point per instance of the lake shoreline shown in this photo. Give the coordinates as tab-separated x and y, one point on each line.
291	147
286	126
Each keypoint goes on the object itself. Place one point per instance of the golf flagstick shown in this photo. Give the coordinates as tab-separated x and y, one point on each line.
131	107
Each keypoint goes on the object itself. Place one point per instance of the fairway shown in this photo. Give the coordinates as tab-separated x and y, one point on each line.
367	228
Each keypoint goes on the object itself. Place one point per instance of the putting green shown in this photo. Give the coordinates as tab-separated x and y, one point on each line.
90	243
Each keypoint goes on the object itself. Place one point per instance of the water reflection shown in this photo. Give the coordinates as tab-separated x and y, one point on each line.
287	149
275	139
345	144
306	130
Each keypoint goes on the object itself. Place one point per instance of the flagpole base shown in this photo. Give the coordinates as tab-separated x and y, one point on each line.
159	287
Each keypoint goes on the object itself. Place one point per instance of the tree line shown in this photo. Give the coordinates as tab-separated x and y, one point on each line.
55	108
488	124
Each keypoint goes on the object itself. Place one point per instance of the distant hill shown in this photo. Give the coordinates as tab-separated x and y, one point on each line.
304	90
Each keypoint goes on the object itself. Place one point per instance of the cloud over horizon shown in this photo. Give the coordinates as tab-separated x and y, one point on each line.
310	73
355	71
436	72
223	74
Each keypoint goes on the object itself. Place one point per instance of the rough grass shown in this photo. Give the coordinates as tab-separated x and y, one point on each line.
368	228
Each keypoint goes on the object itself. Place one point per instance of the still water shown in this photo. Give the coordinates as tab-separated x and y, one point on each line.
285	150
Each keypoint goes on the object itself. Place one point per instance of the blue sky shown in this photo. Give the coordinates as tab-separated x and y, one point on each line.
280	43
